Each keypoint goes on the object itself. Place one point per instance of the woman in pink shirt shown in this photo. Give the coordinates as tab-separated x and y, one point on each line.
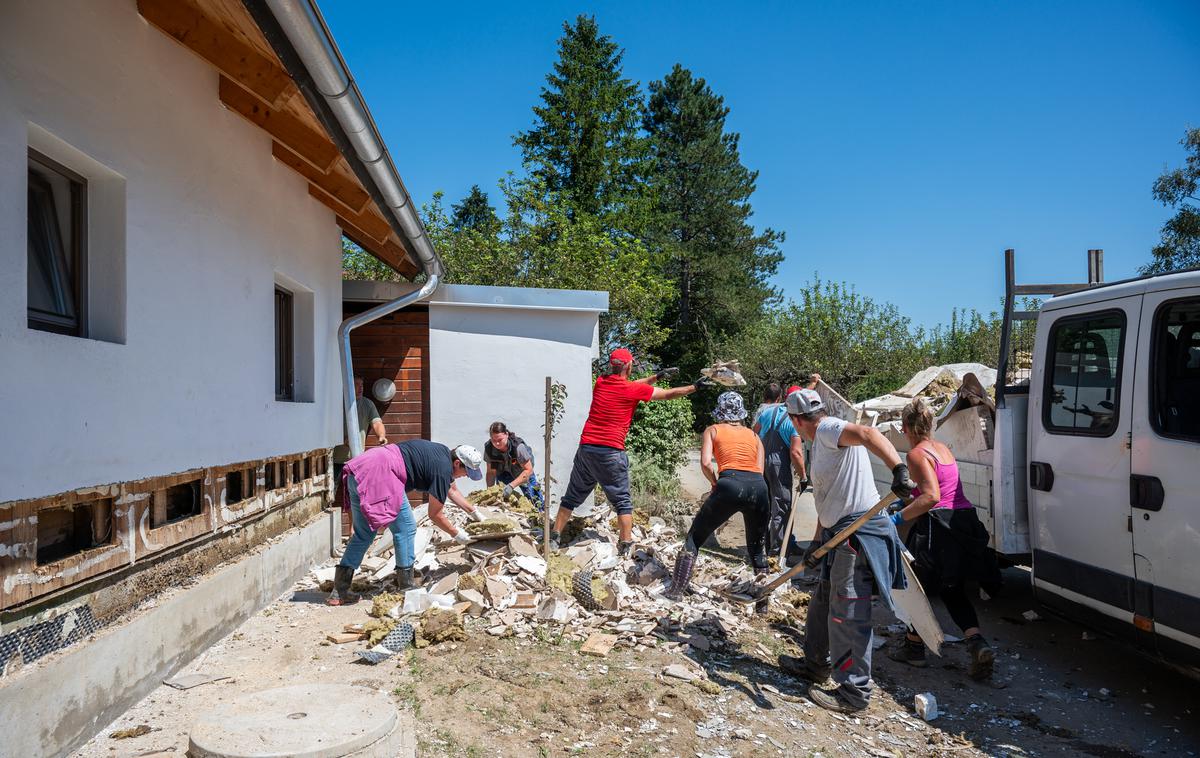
946	538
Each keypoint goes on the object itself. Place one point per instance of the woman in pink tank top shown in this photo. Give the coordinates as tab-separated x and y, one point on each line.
946	538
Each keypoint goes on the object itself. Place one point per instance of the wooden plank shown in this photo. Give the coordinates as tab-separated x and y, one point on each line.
346	191
187	24
367	222
311	145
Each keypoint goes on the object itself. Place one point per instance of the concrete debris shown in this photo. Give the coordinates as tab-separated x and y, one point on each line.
679	671
926	706
584	592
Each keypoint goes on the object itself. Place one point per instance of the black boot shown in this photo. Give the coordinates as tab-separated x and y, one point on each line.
761	569
343	578
983	658
682	575
623	548
405	580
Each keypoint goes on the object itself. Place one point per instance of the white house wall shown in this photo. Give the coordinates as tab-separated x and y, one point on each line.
490	364
210	221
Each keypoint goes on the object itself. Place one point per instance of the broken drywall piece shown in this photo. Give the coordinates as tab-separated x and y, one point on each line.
520	544
553	609
446	585
532	564
598	644
415	601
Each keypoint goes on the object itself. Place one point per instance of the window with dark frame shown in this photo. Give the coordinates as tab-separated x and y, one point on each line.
1175	370
284	345
57	247
1083	374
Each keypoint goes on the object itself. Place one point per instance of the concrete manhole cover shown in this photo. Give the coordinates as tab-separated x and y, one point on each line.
305	720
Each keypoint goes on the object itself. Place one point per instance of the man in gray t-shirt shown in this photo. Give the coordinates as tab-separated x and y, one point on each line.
838	631
368	418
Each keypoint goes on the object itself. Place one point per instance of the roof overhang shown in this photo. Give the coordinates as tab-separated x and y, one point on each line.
263	80
479	296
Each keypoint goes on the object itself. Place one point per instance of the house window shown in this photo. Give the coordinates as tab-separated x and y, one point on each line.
1083	374
284	345
57	246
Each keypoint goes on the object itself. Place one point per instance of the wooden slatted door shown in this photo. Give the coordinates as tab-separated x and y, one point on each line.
395	347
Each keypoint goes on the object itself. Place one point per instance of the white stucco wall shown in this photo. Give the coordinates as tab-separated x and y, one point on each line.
490	364
210	222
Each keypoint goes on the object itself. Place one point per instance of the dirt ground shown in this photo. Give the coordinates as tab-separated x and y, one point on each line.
1056	693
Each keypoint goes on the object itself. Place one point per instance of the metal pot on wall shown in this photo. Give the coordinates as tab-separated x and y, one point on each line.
384	390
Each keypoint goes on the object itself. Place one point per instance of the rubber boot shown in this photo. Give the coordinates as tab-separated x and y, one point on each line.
761	569
343	578
682	575
404	579
983	658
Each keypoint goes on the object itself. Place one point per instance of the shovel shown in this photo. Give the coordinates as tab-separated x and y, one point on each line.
762	591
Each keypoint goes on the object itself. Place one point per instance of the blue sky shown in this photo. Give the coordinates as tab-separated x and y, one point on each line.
901	145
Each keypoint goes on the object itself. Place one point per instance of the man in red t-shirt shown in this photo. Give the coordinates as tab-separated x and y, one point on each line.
601	456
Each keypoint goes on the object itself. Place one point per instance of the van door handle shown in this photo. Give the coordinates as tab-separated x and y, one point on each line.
1146	492
1041	476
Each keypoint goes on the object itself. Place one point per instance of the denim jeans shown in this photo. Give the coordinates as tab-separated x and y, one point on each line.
404	532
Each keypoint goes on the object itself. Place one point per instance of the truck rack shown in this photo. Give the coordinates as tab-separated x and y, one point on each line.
1012	290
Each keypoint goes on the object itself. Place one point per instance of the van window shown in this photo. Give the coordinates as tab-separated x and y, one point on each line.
1175	370
1083	374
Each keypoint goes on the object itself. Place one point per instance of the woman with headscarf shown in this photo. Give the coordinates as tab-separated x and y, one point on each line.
731	457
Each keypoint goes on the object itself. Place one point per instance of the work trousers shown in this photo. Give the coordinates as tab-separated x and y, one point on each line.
838	630
603	465
778	473
403	528
742	492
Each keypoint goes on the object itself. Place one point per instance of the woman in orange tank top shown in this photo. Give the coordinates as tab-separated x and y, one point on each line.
738	486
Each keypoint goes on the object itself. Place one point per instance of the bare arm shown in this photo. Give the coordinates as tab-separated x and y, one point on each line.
796	453
379	432
490	476
873	440
438	517
706	456
661	393
924	475
524	475
646	379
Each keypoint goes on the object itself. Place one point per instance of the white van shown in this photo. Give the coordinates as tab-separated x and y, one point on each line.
1093	476
1114	460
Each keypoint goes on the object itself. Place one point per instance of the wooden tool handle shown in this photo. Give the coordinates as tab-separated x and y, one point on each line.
836	540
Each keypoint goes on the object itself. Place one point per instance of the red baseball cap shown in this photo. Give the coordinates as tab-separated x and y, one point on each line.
793	388
620	355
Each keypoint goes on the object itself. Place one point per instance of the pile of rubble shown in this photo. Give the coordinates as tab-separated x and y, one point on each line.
585	592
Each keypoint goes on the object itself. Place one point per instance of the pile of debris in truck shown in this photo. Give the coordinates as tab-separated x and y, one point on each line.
585	592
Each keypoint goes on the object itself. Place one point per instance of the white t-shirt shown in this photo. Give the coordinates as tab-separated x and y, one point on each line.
841	476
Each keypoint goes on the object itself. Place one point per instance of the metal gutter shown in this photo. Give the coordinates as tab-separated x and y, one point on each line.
298	34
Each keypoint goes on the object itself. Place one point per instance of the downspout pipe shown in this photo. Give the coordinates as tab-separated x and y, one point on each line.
300	37
353	432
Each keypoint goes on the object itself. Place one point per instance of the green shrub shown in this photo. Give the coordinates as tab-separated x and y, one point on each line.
651	485
661	434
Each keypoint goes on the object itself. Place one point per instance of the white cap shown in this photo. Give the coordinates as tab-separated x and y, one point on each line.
803	402
472	459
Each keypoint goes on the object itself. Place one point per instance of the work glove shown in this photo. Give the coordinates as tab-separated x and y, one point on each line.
808	560
805	485
666	373
902	485
462	537
508	490
475	515
703	381
897	518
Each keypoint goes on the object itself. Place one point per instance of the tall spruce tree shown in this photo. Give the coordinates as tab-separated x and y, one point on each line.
718	263
585	148
474	213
